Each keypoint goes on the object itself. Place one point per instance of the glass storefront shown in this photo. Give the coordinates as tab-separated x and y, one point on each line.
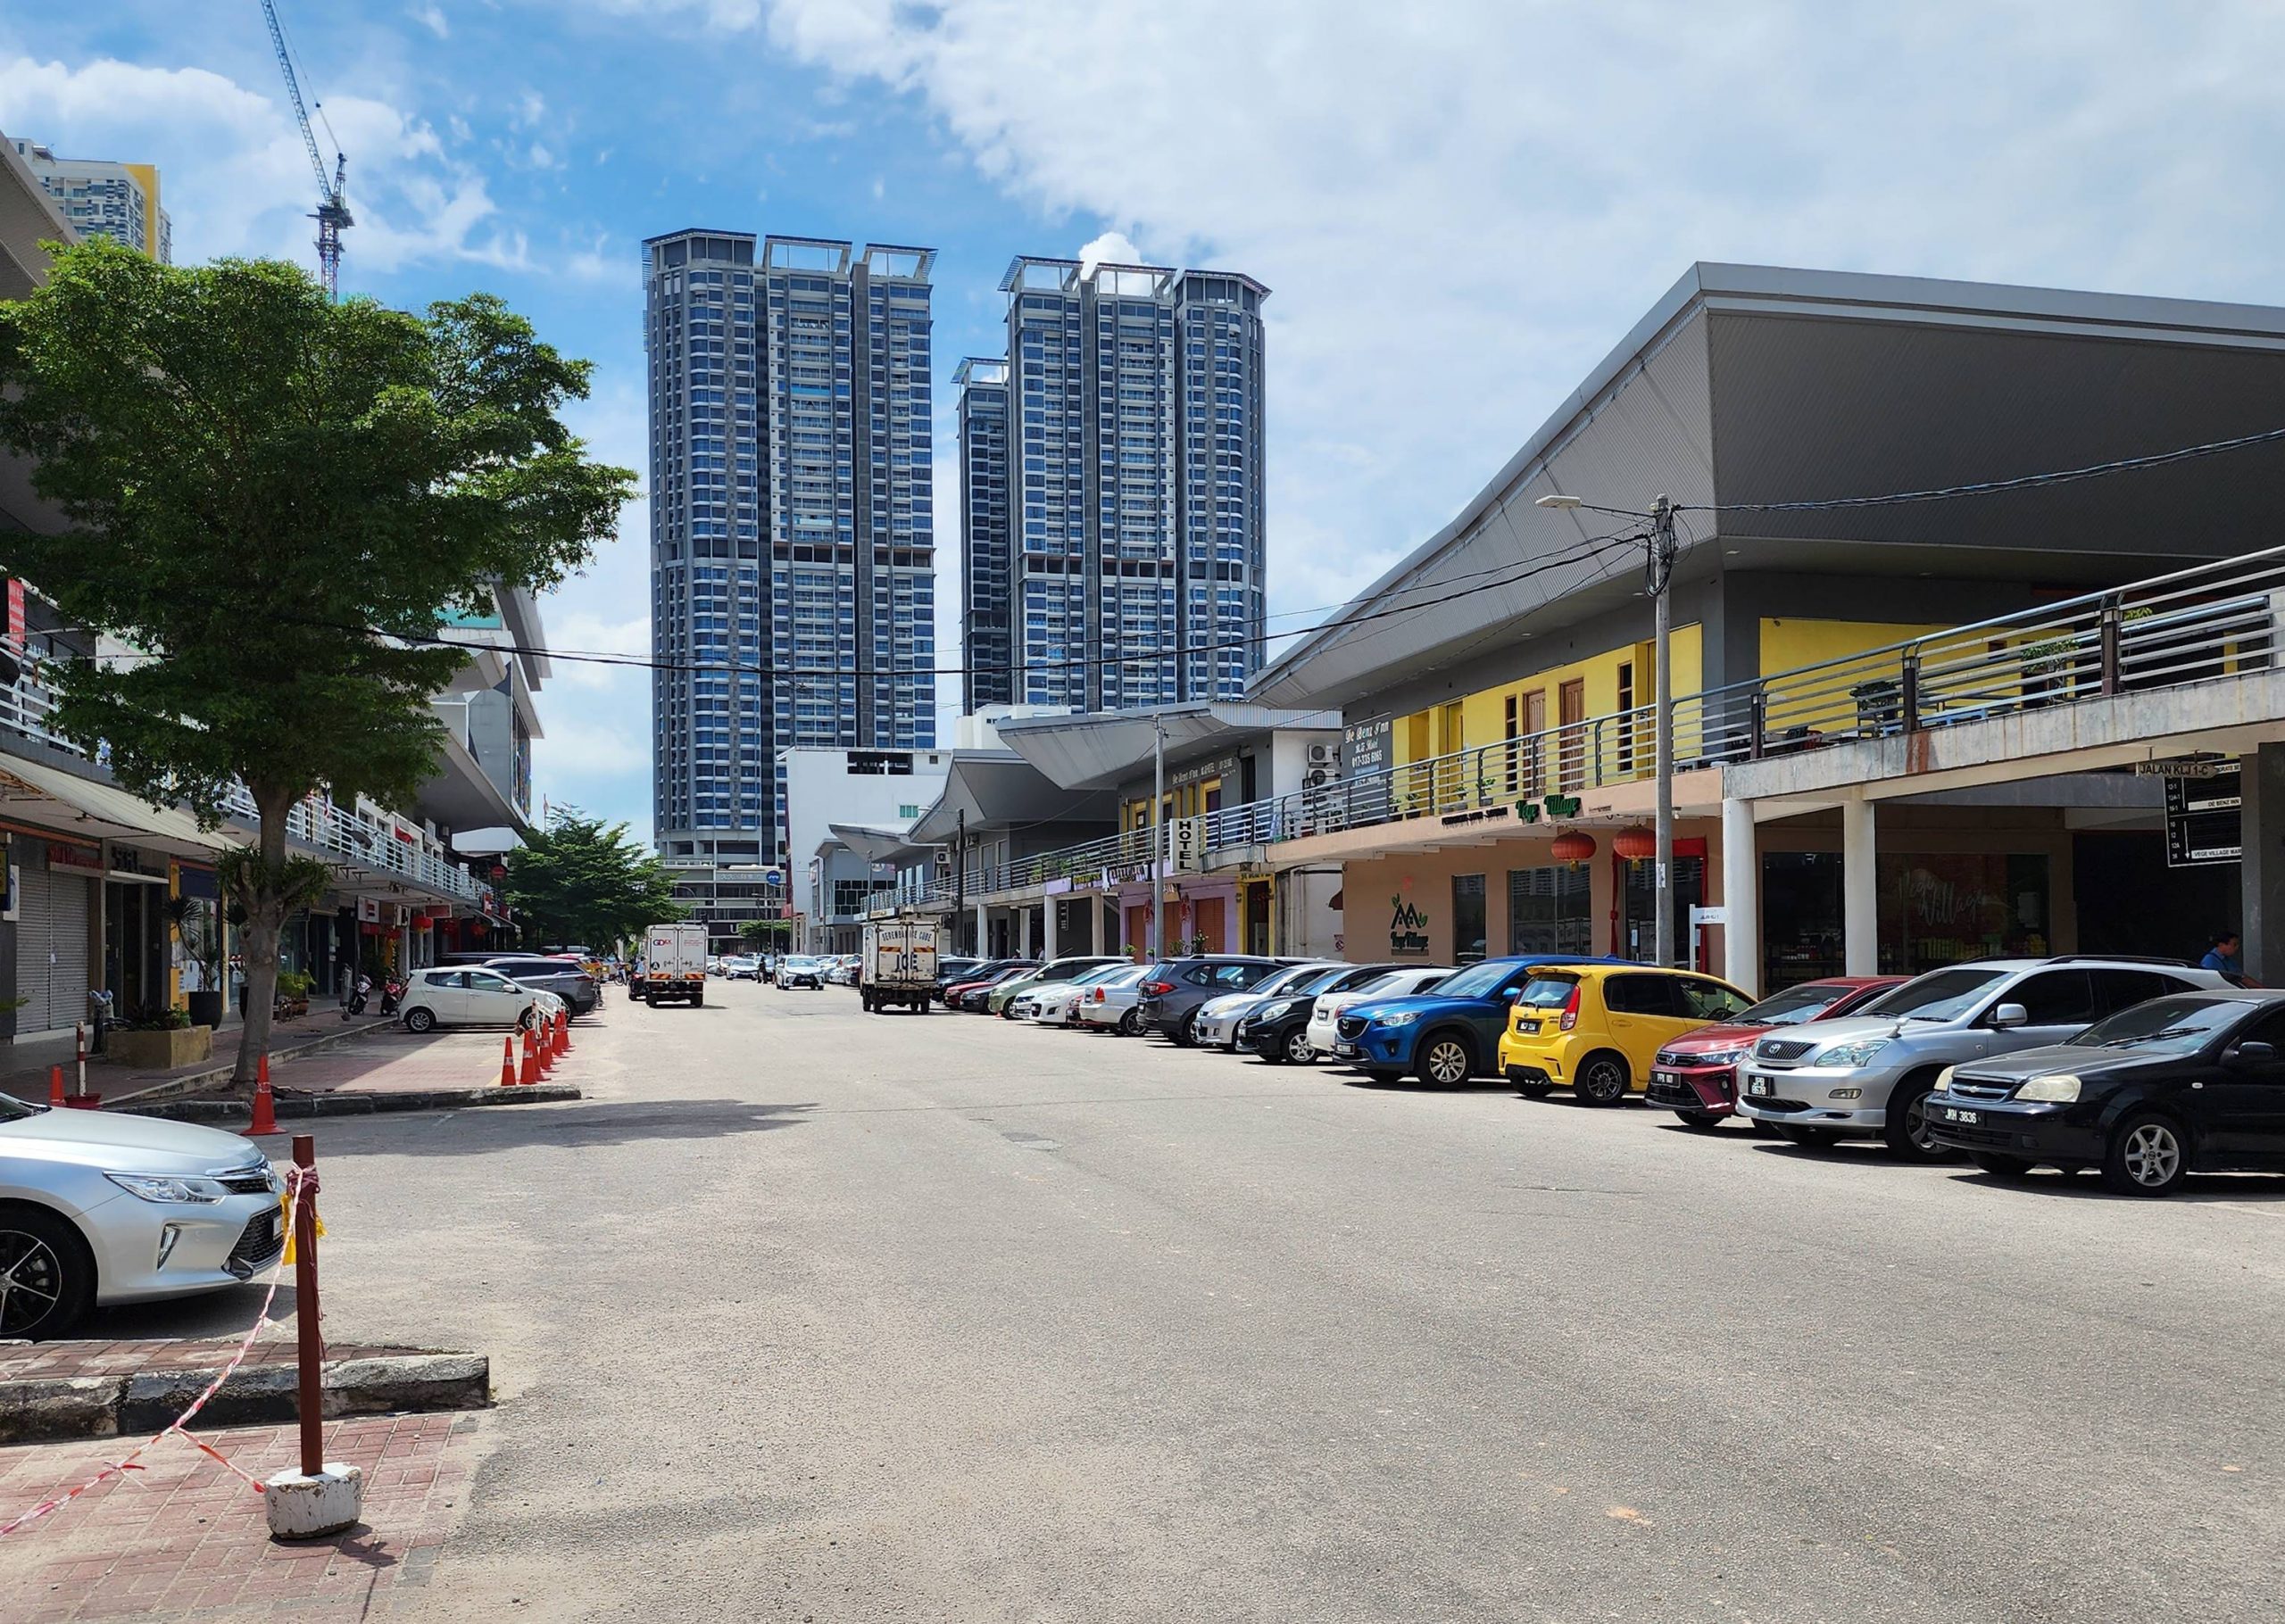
1639	921
1468	944
1549	909
1801	935
1939	910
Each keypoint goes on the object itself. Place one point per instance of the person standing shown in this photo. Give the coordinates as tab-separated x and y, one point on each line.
2224	955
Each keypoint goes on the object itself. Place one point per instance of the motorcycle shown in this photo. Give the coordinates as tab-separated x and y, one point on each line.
392	995
357	998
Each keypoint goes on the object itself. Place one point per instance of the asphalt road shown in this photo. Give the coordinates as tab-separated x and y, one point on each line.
813	1315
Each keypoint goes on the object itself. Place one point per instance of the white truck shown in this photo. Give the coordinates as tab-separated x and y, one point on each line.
900	965
674	965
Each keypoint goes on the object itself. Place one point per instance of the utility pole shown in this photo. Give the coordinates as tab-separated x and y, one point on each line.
959	882
1661	578
1154	947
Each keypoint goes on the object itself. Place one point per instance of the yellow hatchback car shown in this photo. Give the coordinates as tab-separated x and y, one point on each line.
1595	1028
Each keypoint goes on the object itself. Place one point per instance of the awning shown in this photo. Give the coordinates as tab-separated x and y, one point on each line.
84	808
1097	749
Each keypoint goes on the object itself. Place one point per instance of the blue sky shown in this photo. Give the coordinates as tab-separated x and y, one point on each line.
1459	206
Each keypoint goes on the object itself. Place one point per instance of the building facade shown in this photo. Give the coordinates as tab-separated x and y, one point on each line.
100	198
1118	522
792	531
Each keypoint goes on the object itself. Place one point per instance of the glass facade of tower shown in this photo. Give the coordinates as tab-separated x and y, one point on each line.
792	563
1128	565
987	652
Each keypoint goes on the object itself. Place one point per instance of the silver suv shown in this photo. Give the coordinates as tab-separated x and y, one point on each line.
1868	1076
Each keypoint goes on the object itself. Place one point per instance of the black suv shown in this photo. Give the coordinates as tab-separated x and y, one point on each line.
1172	991
2193	1080
1279	1029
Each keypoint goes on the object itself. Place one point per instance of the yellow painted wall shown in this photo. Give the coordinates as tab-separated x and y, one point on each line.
1789	643
1483	715
146	176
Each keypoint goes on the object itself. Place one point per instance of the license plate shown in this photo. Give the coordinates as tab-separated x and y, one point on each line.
1757	1084
1953	1114
1345	1051
1528	1029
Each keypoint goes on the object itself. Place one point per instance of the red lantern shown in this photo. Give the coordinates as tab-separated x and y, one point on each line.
1574	846
1635	844
476	927
499	872
422	922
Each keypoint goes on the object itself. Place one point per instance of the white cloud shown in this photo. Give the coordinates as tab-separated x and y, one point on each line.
432	17
1111	248
1461	208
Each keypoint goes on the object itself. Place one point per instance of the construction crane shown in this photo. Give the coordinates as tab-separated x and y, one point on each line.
332	213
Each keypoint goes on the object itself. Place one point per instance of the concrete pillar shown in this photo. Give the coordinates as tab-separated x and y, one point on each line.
1741	898
2261	781
1861	891
1051	917
982	934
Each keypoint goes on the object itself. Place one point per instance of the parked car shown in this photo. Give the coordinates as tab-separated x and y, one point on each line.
1216	1023
739	967
1173	990
1327	1008
998	1001
951	970
1448	1035
1277	1027
472	995
1597	1028
1051	1003
1114	1004
1870	1076
842	969
970	995
101	1207
578	990
800	970
2194	1082
1695	1075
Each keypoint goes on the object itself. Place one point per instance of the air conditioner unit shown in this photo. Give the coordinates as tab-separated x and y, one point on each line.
1325	755
1316	778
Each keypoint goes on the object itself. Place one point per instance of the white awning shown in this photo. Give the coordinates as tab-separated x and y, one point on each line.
71	805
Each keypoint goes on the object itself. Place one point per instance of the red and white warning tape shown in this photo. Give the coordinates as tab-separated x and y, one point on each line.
126	1463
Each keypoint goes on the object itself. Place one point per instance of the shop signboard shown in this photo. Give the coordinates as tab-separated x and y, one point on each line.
2202	812
62	854
1408	927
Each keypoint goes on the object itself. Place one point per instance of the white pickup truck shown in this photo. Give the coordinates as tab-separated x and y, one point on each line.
674	965
900	965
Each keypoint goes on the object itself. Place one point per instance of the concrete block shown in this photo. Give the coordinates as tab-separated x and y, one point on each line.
309	1507
62	1406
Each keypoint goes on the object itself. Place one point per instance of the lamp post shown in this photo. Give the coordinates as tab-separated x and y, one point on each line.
1659	577
1152	947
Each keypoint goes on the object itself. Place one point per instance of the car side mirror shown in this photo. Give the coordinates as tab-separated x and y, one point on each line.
2009	1015
2254	1052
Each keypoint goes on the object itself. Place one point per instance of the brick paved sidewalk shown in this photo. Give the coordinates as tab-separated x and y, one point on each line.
183	1538
391	1060
23	1071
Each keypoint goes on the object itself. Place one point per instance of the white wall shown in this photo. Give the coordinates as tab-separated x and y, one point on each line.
1289	757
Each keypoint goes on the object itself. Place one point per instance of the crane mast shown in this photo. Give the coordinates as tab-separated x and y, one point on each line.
332	213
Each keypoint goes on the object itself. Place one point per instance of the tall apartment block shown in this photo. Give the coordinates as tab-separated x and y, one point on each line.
120	201
792	575
1115	526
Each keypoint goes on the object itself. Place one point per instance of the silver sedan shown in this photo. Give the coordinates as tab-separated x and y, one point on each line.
97	1208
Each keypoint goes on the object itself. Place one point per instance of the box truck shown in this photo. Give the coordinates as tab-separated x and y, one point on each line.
898	971
674	965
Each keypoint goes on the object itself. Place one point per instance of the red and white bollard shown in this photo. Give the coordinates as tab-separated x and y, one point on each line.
324	1496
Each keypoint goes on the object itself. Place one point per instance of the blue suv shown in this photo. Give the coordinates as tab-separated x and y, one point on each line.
1447	1036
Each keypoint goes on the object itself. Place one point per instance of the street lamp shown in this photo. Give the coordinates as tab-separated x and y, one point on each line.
1660	569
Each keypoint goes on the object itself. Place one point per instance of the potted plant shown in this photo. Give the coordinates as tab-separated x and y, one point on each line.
292	994
158	1037
199	931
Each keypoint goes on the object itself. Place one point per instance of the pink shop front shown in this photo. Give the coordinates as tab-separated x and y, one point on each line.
1199	915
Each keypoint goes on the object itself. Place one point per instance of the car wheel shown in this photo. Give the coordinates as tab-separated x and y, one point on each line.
2148	1156
1701	1120
526	1021
1130	1023
1184	1031
1602	1080
423	1019
1297	1049
1445	1062
1534	1090
1908	1132
1999	1166
1808	1139
49	1277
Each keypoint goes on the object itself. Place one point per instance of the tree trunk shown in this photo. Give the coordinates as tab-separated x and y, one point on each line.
265	922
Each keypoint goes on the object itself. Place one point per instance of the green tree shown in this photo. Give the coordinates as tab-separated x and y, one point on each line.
279	501
581	881
765	933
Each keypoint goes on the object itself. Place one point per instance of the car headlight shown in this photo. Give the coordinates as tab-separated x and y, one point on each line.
1720	1056
1277	1011
2054	1089
1851	1054
167	1187
1944	1080
1403	1017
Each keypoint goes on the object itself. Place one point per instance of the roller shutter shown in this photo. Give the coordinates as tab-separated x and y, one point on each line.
51	950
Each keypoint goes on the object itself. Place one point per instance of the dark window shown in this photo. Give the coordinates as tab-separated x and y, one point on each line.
2116	989
1643	995
2055	997
1547	910
1467	918
1199	975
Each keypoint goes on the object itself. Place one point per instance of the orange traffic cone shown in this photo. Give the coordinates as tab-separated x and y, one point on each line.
55	1087
265	1106
543	1041
530	1072
563	1029
507	1063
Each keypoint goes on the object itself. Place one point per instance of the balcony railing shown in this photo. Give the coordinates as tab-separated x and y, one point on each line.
344	836
2200	624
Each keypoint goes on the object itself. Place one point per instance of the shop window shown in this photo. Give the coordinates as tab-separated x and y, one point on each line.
1467	918
1547	910
1639	932
1800	917
1943	909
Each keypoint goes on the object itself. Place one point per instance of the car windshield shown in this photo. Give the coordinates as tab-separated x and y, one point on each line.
1476	979
1793	1005
1123	975
1097	976
1288	980
1940	995
1546	991
1310	985
16	1110
2163	1026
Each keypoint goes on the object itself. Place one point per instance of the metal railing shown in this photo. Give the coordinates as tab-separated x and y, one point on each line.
2203	623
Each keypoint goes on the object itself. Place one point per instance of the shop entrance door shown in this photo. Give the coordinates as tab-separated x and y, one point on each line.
1210	919
1256	917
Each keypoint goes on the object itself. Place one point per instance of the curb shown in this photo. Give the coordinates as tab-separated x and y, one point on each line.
348	1103
191	1083
53	1409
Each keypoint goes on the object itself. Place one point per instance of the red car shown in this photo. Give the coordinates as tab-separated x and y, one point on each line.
1695	1075
970	995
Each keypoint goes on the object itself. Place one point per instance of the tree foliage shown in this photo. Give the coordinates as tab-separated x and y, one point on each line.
580	881
765	933
277	501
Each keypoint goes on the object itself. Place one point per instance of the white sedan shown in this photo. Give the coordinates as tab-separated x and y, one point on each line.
1114	1004
1057	1005
104	1207
470	994
1396	984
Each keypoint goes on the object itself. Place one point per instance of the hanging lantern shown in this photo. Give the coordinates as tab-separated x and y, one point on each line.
422	922
1635	844
1574	846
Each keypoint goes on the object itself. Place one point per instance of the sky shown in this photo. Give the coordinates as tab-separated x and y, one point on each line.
1460	205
